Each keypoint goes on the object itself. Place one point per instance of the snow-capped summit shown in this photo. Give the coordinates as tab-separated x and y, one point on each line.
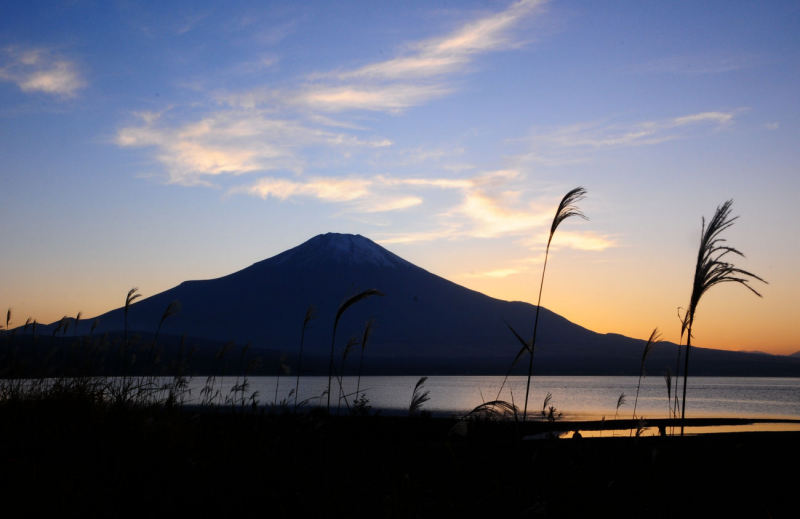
351	249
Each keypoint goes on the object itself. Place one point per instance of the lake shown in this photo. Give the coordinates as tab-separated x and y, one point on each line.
577	397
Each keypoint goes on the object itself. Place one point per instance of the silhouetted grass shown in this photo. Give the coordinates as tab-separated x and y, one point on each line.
130	298
342	308
566	209
651	341
364	339
668	381
173	308
495	409
418	397
711	270
351	343
79	444
678	363
526	348
310	314
68	459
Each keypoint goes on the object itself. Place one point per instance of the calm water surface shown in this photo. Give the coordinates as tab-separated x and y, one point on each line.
576	397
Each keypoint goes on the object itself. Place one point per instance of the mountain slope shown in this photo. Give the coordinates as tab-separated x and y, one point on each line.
264	304
423	323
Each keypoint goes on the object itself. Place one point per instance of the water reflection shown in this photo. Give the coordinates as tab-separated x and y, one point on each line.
576	397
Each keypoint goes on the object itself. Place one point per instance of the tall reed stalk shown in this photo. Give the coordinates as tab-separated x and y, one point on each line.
130	298
676	396
173	308
310	314
351	343
283	369
364	339
668	380
566	209
8	334
710	270
344	306
526	348
654	338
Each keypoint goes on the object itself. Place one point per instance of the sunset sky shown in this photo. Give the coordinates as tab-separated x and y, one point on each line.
143	145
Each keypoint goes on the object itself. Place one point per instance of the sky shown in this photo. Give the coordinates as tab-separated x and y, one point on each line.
146	143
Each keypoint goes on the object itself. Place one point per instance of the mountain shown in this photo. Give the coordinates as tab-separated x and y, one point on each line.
423	324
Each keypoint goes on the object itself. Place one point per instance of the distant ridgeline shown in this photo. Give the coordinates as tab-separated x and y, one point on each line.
424	324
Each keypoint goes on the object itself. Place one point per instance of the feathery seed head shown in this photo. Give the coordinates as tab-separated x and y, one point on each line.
355	299
568	208
546	402
711	268
418	397
655	336
173	308
131	297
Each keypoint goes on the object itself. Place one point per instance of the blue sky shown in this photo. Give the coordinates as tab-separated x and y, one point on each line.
143	144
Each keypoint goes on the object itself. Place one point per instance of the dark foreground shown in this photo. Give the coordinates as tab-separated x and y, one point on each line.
77	459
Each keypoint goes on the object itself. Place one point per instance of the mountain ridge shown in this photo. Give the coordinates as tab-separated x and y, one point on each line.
423	320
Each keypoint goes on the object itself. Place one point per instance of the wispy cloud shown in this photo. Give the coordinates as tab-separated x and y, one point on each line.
570	144
495	273
701	64
384	98
636	134
718	118
535	242
190	22
366	195
578	240
266	129
439	233
491	215
488	205
232	142
329	189
39	70
277	134
378	193
449	53
442	183
418	74
382	204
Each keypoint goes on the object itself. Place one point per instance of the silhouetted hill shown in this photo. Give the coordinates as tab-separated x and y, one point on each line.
424	324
